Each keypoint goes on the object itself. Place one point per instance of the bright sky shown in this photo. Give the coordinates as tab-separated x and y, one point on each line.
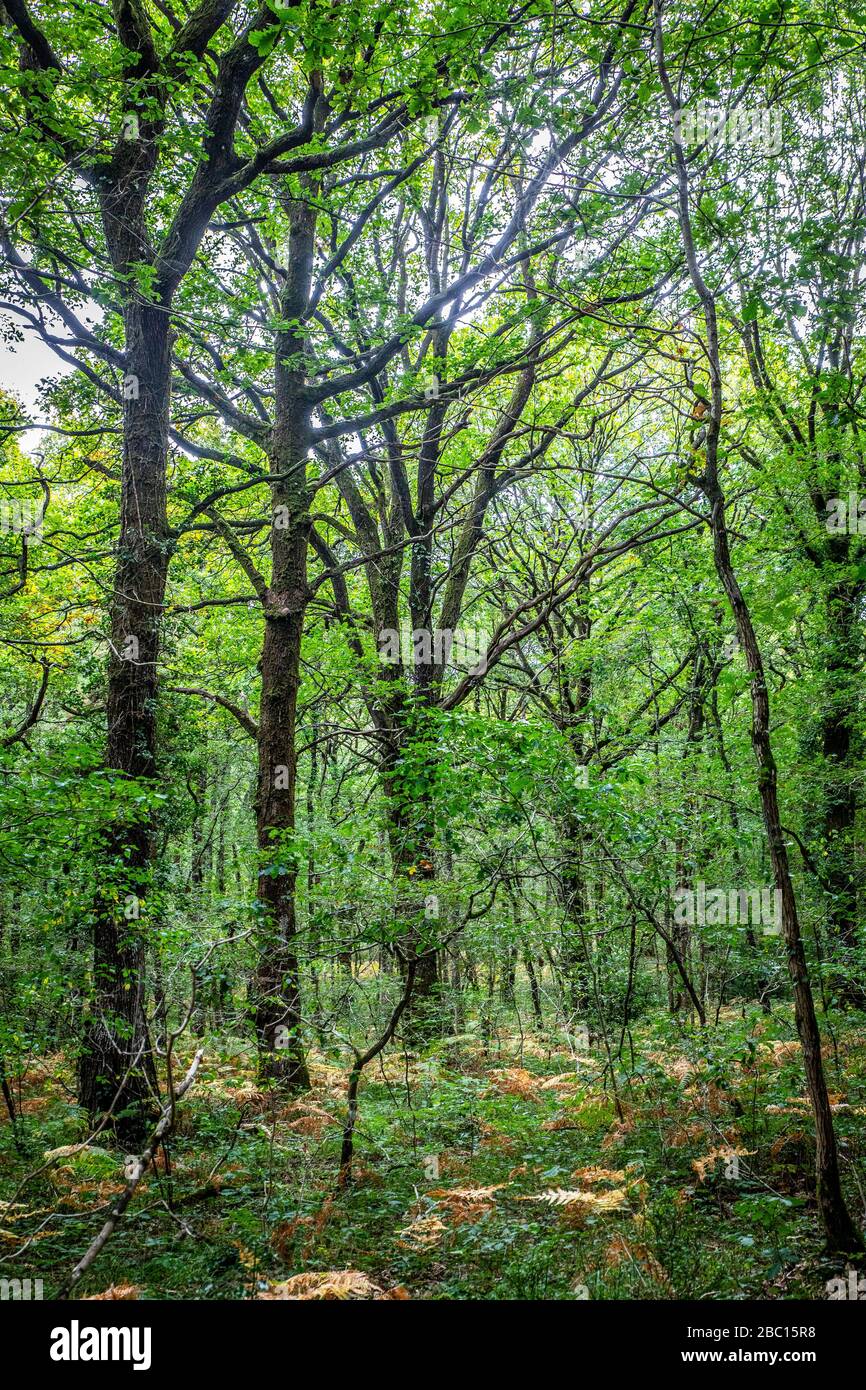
23	364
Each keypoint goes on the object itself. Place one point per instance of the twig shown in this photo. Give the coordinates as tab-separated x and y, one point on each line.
140	1164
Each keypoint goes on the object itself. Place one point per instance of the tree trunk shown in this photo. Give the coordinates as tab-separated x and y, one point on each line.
410	836
841	1232
839	738
276	988
680	934
116	1062
572	894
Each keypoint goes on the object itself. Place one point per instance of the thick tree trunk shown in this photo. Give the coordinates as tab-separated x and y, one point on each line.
277	980
116	1064
276	988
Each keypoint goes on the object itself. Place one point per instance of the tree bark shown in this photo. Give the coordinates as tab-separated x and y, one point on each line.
839	745
276	988
116	1063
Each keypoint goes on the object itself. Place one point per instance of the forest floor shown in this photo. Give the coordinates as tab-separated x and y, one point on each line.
485	1169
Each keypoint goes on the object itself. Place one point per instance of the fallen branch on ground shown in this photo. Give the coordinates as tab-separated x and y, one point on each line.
135	1172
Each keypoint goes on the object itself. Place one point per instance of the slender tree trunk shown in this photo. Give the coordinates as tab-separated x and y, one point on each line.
763	978
410	823
533	987
573	887
840	746
572	893
680	934
408	774
841	1232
